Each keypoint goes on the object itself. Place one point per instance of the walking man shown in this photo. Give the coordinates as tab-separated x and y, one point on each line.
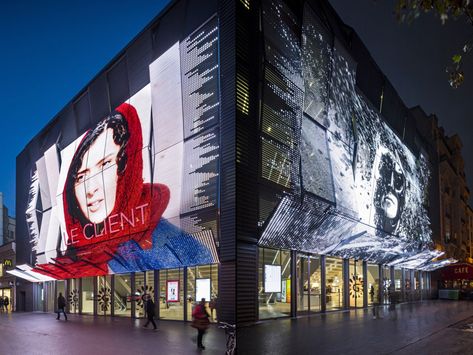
61	305
149	309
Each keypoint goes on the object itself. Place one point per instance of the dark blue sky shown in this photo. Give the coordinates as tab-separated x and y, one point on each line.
413	57
50	50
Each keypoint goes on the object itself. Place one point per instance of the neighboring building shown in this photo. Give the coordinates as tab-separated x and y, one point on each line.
7	224
7	281
7	254
451	194
249	151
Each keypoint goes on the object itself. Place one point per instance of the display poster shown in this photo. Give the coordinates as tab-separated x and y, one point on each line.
288	291
283	291
172	291
202	289
127	194
272	278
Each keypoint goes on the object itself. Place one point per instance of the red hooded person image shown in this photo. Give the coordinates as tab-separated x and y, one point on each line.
105	199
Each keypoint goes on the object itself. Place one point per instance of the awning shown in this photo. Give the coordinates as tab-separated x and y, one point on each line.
26	272
312	225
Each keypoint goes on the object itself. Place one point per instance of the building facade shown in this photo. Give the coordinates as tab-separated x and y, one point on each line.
249	152
121	193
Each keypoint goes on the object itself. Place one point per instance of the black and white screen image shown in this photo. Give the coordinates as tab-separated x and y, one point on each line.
364	191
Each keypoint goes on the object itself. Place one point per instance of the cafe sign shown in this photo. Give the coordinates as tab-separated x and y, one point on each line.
457	272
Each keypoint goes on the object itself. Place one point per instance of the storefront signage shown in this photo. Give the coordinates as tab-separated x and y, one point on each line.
202	289
272	278
172	291
456	272
7	262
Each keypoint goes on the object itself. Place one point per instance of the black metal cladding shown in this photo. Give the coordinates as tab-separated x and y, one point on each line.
248	72
227	276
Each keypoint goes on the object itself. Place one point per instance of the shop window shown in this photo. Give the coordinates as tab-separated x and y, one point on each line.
122	299
334	283
73	295
397	279
373	283
274	283
171	291
355	283
308	283
88	295
104	295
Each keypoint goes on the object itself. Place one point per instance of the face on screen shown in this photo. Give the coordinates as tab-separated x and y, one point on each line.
95	187
390	190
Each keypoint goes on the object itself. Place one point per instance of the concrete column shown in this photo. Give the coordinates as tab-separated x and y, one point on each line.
346	283
293	283
112	295
80	295
157	293
365	284
185	293
133	302
381	284
323	286
403	285
95	295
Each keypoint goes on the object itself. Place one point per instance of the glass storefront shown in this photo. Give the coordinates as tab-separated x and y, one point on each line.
356	283
373	283
308	283
104	295
202	281
386	283
88	295
171	287
334	283
274	283
122	299
73	295
7	292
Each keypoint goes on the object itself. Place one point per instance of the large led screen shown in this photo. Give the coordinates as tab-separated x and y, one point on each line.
138	190
359	191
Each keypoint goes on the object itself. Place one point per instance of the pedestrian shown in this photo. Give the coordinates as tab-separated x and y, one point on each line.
200	321
6	303
392	302
1	304
213	306
376	304
149	309
61	306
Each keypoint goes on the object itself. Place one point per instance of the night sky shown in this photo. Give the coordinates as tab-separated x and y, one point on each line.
413	57
51	49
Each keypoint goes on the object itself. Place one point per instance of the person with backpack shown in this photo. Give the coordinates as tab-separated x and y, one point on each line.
200	321
149	309
61	306
6	303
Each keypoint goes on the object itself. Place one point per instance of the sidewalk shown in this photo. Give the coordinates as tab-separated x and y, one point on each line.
41	333
429	327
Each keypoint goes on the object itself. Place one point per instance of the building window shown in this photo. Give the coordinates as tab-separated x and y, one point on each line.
308	283
122	299
355	283
334	283
274	284
373	283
